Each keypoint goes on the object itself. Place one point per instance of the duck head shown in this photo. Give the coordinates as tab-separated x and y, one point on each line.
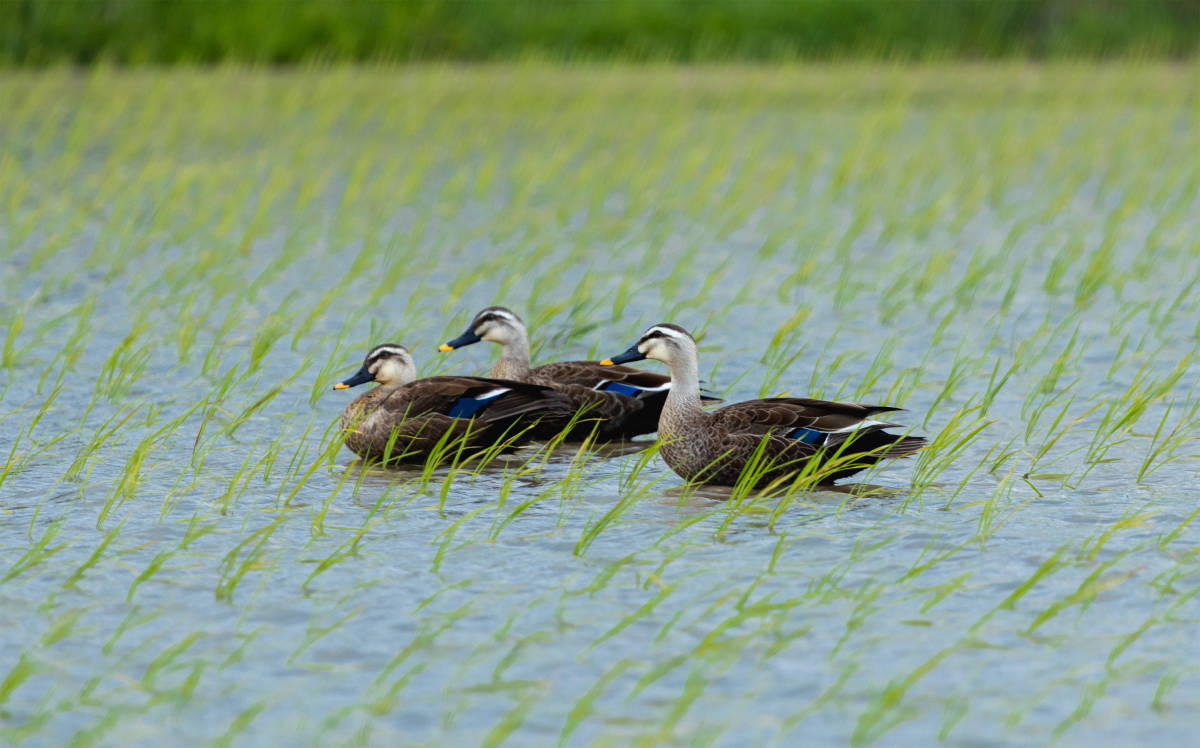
495	324
662	342
387	364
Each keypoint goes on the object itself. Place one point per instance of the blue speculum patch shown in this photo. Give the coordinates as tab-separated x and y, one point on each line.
466	407
808	436
620	388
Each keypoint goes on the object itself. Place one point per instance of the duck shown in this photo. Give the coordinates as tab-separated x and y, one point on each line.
406	419
621	402
779	437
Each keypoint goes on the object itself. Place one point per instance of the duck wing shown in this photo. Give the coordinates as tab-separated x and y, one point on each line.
623	380
613	409
787	414
481	398
845	436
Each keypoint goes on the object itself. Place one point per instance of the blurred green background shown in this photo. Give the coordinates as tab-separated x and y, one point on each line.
38	32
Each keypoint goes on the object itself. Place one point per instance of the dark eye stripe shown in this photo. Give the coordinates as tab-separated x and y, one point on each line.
383	354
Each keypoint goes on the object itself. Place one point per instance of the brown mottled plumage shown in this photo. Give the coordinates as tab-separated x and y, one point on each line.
414	415
782	433
624	401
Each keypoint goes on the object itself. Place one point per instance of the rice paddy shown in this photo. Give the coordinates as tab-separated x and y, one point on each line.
192	258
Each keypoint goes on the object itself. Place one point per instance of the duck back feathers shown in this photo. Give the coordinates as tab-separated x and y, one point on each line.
783	435
408	421
773	437
616	402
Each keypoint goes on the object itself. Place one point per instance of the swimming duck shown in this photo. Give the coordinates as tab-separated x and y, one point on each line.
786	433
625	401
421	412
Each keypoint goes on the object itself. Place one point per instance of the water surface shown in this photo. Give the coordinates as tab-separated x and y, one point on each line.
191	259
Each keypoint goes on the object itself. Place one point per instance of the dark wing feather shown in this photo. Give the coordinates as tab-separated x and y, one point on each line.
780	413
611	406
842	456
779	449
525	400
590	374
439	395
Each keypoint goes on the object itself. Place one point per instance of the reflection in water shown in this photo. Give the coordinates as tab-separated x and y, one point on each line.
763	509
818	495
560	454
527	461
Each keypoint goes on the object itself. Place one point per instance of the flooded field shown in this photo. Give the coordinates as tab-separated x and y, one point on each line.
190	260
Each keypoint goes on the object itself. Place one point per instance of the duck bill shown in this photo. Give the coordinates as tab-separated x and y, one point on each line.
633	354
362	376
466	338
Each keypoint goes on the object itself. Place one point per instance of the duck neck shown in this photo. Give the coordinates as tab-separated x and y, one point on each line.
385	387
683	399
514	359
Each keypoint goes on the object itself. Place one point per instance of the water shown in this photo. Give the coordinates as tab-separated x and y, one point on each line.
177	245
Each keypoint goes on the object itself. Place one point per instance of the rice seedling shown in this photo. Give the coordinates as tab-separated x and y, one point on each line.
1006	251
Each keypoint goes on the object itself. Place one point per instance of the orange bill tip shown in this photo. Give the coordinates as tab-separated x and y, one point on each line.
445	347
341	386
607	362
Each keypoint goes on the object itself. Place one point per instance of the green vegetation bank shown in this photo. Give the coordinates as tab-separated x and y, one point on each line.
39	32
